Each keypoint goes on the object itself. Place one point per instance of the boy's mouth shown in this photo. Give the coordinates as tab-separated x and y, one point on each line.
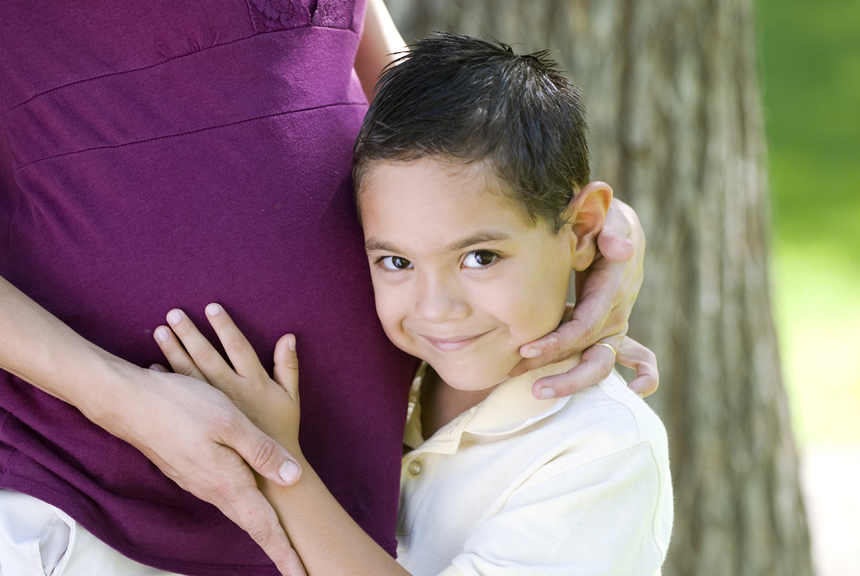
452	343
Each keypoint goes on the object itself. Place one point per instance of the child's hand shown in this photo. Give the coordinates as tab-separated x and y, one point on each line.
271	404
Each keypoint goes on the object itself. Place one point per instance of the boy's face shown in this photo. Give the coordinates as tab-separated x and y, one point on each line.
462	276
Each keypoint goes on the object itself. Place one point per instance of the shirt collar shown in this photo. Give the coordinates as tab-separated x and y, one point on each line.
509	408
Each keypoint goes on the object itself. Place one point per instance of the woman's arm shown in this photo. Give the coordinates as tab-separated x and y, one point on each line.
172	419
605	292
327	539
380	40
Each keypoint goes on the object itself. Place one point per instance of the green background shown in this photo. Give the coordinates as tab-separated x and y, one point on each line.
810	62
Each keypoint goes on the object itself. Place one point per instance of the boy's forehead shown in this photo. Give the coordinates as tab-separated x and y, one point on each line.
438	173
424	185
430	201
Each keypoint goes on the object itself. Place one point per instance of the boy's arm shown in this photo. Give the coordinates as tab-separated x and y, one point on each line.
170	418
327	539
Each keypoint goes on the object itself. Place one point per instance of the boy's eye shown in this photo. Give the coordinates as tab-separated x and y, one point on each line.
396	263
479	259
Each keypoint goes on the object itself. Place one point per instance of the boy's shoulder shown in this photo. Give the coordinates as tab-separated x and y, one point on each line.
605	419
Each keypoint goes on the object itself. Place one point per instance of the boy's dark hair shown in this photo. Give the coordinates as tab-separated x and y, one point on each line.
469	100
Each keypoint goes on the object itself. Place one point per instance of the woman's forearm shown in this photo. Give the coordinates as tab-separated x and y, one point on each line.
177	422
380	40
327	539
39	348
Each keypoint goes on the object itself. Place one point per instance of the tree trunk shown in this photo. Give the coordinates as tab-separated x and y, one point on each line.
674	107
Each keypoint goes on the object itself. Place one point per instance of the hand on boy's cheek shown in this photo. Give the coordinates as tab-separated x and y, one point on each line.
606	292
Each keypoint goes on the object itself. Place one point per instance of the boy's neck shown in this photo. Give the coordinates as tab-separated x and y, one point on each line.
440	403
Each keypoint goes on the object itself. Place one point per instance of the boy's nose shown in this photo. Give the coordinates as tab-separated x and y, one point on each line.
440	299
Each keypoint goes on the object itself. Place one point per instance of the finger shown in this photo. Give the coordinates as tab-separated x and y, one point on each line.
614	239
597	363
634	355
531	363
253	513
263	454
238	348
571	337
179	360
202	353
287	365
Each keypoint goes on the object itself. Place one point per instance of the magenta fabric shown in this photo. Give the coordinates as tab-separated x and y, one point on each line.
162	154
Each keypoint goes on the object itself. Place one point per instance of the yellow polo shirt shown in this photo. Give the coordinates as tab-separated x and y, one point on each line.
519	486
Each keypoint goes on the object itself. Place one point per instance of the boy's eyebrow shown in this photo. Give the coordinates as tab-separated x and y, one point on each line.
374	245
478	238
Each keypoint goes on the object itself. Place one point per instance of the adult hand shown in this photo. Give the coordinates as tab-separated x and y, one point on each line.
605	294
200	440
190	430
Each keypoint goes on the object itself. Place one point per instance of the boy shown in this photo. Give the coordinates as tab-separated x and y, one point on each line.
472	184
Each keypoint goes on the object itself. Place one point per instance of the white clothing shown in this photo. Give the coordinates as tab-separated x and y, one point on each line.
519	486
37	539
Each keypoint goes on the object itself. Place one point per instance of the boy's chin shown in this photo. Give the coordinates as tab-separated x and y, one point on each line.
475	378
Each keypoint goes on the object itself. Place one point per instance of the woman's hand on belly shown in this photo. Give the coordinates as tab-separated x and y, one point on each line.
199	439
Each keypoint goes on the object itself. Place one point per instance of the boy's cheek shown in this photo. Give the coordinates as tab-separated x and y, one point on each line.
546	304
389	311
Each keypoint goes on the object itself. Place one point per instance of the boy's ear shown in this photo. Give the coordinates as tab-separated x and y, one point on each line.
586	214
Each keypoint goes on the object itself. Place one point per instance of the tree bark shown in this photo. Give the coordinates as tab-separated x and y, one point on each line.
676	127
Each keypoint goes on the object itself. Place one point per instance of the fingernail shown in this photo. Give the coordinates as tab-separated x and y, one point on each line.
156	368
212	309
532	353
289	471
291	343
173	317
161	334
547	393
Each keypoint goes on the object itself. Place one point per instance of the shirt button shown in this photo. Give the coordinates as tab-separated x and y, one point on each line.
415	467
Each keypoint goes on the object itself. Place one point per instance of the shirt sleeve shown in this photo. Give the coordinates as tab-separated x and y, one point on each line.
609	516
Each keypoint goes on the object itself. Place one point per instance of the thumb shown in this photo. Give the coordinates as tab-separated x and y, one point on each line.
268	458
614	240
287	366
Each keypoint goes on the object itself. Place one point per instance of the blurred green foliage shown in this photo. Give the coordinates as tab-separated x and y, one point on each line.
810	53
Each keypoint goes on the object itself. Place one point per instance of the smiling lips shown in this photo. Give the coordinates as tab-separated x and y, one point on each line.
452	343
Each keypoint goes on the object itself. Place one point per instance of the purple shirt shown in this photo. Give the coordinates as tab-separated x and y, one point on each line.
173	154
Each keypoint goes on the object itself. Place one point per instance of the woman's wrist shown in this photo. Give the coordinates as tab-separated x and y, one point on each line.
107	388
